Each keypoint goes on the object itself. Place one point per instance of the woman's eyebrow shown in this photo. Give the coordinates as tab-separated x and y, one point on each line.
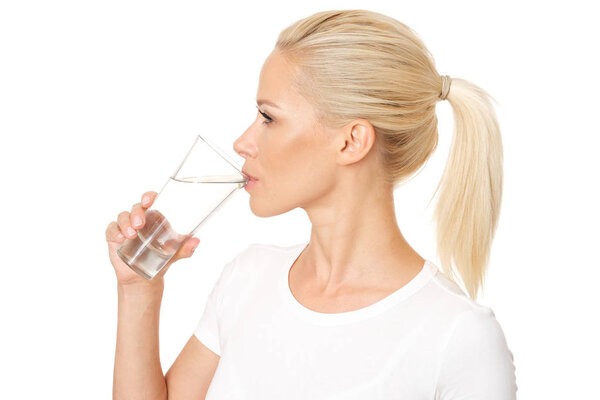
263	101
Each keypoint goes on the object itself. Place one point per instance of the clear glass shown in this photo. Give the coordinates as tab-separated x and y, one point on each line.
201	185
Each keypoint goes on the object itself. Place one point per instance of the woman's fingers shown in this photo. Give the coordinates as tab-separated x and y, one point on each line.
138	211
128	223
148	198
136	218
113	233
125	225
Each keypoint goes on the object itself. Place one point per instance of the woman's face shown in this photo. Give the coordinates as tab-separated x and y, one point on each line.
285	149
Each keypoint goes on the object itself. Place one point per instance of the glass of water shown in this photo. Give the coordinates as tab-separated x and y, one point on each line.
203	182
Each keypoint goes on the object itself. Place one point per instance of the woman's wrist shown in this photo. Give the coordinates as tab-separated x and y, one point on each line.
153	287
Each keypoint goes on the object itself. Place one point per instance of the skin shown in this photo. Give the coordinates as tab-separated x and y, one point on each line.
357	254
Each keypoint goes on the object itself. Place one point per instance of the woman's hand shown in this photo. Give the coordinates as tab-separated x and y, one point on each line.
126	227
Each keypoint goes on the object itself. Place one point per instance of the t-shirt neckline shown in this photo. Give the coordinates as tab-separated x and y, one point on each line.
425	274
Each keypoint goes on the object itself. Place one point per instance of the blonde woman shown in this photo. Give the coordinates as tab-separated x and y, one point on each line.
346	111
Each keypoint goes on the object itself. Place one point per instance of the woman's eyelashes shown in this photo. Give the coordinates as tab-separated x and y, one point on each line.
268	119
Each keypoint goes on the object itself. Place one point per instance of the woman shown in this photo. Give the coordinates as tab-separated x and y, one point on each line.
346	111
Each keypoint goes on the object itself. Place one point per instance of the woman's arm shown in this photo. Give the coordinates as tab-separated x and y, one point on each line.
137	371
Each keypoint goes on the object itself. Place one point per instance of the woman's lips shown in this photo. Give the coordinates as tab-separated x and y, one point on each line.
250	177
250	184
252	181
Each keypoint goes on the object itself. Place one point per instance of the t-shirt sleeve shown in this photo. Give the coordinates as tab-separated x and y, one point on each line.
477	363
207	330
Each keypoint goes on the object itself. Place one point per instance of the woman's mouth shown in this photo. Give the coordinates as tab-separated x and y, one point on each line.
249	176
252	181
250	184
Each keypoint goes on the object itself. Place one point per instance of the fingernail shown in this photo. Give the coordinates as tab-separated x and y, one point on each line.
145	199
120	236
137	220
130	231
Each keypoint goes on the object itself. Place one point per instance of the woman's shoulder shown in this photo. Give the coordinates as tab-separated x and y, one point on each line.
449	304
452	296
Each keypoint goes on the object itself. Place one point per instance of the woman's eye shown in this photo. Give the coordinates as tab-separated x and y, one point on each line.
268	119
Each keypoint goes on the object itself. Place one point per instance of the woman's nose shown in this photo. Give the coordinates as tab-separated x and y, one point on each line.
244	146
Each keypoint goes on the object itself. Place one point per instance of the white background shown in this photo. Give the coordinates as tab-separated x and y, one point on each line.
99	100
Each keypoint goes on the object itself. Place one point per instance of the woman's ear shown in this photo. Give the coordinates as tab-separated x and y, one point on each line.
356	140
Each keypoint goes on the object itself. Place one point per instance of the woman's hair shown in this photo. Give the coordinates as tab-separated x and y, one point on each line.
362	64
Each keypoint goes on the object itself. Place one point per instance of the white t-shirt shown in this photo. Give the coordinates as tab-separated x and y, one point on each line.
427	340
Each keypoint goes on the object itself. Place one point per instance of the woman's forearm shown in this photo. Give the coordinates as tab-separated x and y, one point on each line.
137	372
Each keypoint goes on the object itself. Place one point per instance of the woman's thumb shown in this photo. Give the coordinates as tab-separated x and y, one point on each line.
187	249
193	243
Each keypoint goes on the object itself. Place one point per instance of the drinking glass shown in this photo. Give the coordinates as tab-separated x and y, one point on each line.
201	185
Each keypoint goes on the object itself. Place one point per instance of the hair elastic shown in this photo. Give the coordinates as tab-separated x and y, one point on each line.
446	81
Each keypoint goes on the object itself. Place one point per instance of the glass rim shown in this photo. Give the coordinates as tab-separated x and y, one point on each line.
216	149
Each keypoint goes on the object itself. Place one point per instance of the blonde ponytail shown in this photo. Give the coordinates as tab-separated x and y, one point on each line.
468	205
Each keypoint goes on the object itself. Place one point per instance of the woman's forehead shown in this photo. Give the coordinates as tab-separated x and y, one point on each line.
275	84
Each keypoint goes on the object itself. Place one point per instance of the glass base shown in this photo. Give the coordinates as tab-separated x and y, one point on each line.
144	260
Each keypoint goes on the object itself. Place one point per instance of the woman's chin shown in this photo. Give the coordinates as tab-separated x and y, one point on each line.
262	210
